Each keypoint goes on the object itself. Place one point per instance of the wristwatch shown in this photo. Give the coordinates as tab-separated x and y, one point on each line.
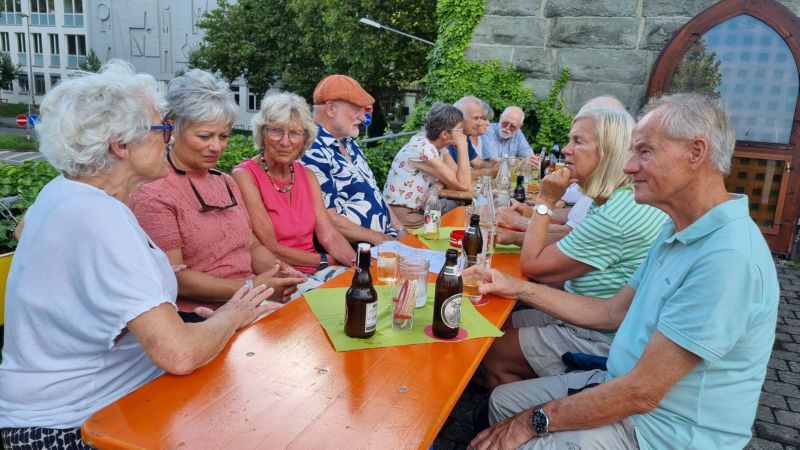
539	421
543	209
323	261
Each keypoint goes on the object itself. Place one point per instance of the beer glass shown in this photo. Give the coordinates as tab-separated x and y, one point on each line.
388	261
472	282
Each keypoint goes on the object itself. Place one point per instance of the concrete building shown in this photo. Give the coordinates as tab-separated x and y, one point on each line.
156	36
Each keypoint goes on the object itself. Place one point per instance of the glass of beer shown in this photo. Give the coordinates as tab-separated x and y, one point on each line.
472	282
388	261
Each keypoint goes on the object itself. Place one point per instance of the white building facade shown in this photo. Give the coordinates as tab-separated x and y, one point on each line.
156	36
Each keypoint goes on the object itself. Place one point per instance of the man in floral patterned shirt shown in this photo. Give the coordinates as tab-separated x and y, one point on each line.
349	190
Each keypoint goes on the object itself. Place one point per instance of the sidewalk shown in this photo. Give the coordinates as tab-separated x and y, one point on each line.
777	424
17	158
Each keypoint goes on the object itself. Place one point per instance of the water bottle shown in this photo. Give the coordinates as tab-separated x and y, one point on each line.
502	183
484	207
433	216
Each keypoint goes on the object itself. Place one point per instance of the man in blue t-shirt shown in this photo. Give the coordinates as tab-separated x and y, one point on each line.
695	324
475	123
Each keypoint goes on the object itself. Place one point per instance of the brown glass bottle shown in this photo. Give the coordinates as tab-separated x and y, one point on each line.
519	191
361	299
447	301
472	242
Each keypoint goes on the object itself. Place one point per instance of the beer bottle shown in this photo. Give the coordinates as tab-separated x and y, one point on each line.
447	302
472	242
519	191
361	300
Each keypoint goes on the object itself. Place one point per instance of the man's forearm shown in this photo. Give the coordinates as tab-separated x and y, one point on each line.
586	312
354	232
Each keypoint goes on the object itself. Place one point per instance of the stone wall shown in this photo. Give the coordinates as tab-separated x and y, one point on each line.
609	46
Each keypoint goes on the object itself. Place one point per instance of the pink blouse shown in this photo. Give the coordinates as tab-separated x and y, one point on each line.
216	242
293	223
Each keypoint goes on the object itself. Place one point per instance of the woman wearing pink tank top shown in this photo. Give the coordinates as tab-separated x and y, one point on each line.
282	197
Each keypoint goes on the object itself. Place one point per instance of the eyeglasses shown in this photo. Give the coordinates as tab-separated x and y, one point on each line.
509	125
277	134
204	207
165	128
456	129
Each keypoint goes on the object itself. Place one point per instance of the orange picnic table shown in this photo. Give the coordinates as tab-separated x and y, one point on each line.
280	383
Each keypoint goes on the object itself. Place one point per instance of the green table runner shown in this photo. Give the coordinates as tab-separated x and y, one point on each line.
443	243
328	305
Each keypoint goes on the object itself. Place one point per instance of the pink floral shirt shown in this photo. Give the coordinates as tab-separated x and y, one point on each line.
406	185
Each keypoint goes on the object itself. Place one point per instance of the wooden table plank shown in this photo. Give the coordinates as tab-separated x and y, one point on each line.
280	383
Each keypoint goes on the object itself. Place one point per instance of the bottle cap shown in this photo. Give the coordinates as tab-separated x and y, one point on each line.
363	246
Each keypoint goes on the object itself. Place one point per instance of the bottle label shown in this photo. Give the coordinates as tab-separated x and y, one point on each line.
432	220
451	311
371	317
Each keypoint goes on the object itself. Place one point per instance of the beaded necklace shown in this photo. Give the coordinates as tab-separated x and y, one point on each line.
275	185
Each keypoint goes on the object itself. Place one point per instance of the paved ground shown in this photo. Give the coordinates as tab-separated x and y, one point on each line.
777	424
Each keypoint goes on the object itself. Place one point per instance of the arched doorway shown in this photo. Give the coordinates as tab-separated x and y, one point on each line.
746	52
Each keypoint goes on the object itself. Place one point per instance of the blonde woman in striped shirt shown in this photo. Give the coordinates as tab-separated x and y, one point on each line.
596	259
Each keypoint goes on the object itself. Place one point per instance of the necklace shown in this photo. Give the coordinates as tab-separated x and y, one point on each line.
275	185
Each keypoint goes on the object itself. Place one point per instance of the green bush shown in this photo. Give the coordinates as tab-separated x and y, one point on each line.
24	182
240	147
17	142
13	109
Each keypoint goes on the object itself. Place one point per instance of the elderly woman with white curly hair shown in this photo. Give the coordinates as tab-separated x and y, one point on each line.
90	299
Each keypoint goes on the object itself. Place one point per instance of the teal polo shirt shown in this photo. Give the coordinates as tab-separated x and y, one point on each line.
711	289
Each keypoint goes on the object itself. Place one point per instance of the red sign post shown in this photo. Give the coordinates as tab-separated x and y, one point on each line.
22	120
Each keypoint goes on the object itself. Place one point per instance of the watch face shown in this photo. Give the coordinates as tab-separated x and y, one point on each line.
542	209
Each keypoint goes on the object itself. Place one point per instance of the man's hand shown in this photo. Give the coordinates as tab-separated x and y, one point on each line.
534	161
496	282
520	207
553	186
510	218
510	433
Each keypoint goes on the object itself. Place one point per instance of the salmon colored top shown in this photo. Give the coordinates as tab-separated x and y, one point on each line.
293	223
216	242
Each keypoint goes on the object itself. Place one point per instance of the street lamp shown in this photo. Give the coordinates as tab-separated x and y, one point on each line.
372	23
30	74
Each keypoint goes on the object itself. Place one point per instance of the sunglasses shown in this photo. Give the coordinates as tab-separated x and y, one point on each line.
205	207
165	128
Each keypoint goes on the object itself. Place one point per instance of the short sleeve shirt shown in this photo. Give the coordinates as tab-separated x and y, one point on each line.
494	146
348	184
712	289
215	242
472	153
407	185
614	239
83	269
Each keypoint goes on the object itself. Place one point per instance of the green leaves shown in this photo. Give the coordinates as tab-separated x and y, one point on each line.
24	182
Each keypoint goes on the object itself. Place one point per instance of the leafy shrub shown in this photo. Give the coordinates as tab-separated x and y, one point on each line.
240	147
24	182
10	141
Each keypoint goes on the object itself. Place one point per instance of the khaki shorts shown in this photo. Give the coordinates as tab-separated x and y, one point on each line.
510	399
543	339
410	218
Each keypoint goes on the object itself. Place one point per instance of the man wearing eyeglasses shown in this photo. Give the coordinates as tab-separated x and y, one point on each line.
349	190
505	137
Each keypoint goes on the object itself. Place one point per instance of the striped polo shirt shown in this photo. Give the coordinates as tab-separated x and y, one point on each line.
614	238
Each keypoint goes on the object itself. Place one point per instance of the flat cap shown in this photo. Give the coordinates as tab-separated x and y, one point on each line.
341	87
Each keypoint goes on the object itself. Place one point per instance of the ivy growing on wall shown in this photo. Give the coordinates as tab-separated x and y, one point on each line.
451	76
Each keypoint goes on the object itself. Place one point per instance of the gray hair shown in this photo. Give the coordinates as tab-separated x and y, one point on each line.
84	113
200	97
689	116
463	103
440	118
488	112
282	109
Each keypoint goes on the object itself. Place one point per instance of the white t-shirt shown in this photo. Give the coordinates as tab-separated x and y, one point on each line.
83	269
578	211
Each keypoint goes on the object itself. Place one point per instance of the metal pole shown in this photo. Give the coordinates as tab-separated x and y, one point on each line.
30	75
377	25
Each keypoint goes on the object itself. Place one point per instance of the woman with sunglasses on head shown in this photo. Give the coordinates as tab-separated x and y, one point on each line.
424	162
90	311
196	214
283	198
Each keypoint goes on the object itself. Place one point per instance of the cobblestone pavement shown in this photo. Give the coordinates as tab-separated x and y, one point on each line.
777	424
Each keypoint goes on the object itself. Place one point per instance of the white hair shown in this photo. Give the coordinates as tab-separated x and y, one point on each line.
280	109
200	97
84	113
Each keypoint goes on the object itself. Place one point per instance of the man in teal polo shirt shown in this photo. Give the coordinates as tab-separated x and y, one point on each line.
696	322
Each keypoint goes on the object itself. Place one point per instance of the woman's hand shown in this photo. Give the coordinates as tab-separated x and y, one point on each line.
509	218
283	279
553	186
244	307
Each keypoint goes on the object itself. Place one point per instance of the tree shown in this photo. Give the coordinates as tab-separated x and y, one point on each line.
698	71
298	42
92	63
8	72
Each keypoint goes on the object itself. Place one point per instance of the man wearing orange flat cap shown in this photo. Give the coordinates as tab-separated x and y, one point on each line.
349	190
